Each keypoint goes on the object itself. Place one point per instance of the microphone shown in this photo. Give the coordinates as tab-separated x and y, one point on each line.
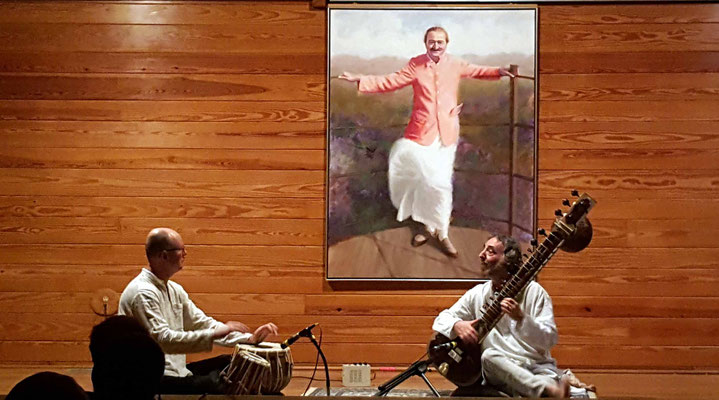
307	332
445	346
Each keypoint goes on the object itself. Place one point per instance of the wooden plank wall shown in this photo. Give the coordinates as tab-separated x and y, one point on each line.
209	117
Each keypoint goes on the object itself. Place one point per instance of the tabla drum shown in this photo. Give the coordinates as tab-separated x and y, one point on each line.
280	361
245	373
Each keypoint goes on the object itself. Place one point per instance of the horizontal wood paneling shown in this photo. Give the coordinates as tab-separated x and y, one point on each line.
648	38
262	13
657	305
214	255
643	209
632	184
627	111
169	135
379	329
209	183
58	302
566	62
231	38
629	135
379	354
168	111
160	207
158	87
162	63
671	14
209	117
255	231
240	278
650	159
628	114
615	87
163	159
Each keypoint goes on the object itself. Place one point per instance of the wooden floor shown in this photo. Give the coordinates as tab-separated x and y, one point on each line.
610	384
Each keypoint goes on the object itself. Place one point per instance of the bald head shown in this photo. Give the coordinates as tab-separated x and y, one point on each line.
160	239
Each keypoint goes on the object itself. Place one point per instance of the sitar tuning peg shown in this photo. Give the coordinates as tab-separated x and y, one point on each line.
533	242
566	202
575	193
542	232
558	212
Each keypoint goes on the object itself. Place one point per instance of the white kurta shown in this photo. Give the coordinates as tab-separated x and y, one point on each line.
515	354
420	183
173	320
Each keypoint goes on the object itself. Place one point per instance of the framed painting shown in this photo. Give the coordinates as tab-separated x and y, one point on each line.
431	138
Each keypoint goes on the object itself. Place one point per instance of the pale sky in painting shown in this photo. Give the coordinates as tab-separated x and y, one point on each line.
371	33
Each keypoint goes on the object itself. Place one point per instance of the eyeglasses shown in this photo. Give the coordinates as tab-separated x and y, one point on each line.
175	249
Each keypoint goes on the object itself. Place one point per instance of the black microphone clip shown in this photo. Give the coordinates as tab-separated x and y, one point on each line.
307	332
445	346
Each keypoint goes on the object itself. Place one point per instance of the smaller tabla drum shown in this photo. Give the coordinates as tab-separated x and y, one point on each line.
245	373
280	361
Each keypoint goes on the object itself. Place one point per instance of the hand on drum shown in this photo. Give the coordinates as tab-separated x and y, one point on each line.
230	326
262	332
237	326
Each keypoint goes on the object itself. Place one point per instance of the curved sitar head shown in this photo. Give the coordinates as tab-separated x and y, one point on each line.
574	227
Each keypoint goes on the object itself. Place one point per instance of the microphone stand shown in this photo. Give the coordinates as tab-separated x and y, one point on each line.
324	361
418	368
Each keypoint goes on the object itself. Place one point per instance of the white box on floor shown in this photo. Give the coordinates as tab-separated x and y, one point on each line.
356	375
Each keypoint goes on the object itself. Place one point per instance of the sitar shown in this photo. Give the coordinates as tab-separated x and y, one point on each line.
461	362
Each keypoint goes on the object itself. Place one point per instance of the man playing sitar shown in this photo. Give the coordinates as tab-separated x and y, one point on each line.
515	355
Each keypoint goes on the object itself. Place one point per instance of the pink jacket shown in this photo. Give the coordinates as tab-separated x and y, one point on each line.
435	85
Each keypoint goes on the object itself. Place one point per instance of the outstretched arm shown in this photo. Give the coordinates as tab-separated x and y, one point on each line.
348	76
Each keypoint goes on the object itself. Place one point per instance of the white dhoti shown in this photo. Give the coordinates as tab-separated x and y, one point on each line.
420	183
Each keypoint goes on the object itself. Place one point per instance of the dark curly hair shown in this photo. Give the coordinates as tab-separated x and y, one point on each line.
512	253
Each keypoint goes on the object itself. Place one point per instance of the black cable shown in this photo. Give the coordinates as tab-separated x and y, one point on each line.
317	362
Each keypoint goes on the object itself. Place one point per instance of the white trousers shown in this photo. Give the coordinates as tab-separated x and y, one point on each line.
420	183
514	379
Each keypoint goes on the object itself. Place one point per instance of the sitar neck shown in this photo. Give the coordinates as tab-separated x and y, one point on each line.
492	311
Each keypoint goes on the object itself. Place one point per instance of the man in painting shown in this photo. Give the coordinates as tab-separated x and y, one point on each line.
422	162
176	323
516	355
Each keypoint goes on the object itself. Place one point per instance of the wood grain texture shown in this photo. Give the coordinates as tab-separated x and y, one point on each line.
214	255
209	183
167	111
59	62
565	61
261	13
287	134
160	207
642	87
143	159
291	279
213	303
627	111
232	38
646	38
628	135
93	230
157	87
639	183
670	14
209	117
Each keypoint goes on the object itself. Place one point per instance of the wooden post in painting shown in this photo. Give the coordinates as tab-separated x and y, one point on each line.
512	117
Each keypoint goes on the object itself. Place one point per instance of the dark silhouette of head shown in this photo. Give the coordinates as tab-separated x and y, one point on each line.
47	385
127	362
